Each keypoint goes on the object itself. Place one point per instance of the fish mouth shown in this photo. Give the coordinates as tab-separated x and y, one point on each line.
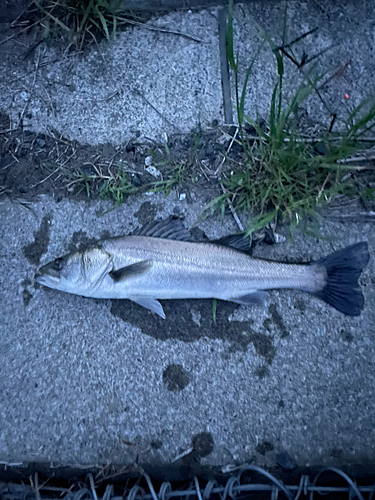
47	280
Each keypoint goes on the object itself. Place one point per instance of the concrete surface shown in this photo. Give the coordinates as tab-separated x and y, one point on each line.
82	378
150	82
88	382
111	93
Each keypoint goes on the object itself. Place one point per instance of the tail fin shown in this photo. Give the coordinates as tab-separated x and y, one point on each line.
343	269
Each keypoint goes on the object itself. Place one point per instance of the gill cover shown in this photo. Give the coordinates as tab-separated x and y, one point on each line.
79	273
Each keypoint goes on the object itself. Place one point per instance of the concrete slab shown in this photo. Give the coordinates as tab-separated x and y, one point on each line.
88	382
146	82
81	379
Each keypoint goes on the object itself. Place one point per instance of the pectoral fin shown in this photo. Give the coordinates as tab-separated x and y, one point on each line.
151	304
257	298
130	271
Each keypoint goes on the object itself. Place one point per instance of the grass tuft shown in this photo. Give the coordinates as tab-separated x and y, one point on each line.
76	18
282	176
117	187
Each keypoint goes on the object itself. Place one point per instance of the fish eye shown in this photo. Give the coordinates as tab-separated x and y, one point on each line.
58	264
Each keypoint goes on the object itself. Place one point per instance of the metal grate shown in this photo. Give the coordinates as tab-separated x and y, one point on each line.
233	489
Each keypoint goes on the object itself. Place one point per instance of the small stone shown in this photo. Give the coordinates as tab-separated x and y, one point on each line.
153	171
279	238
148	161
41	142
182	196
136	181
321	149
196	316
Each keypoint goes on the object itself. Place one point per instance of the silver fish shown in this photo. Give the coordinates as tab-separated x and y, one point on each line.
161	261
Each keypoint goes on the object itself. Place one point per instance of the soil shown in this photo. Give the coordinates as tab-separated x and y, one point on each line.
33	164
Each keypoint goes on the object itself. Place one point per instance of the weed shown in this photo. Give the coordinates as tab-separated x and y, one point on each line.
281	176
118	186
115	183
214	308
175	176
77	17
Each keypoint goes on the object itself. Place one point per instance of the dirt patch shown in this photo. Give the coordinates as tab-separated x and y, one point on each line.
263	346
32	164
203	444
278	321
26	294
262	372
81	241
182	324
146	213
34	251
264	447
175	377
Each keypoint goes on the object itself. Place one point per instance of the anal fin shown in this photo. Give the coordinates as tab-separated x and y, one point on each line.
151	304
256	298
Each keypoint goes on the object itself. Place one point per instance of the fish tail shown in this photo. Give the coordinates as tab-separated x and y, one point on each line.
343	268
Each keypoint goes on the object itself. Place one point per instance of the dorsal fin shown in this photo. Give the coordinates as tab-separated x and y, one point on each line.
171	228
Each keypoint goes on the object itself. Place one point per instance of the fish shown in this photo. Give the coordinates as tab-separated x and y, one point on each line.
162	261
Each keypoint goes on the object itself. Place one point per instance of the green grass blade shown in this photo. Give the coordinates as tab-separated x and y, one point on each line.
114	23
240	111
54	19
104	24
273	122
86	14
230	51
214	308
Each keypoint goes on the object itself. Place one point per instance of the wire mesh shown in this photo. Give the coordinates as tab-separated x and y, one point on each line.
233	489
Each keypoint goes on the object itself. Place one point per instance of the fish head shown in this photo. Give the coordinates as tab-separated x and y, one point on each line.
63	273
80	273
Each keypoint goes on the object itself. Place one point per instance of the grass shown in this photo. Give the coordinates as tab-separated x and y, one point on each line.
116	180
77	18
281	176
117	187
